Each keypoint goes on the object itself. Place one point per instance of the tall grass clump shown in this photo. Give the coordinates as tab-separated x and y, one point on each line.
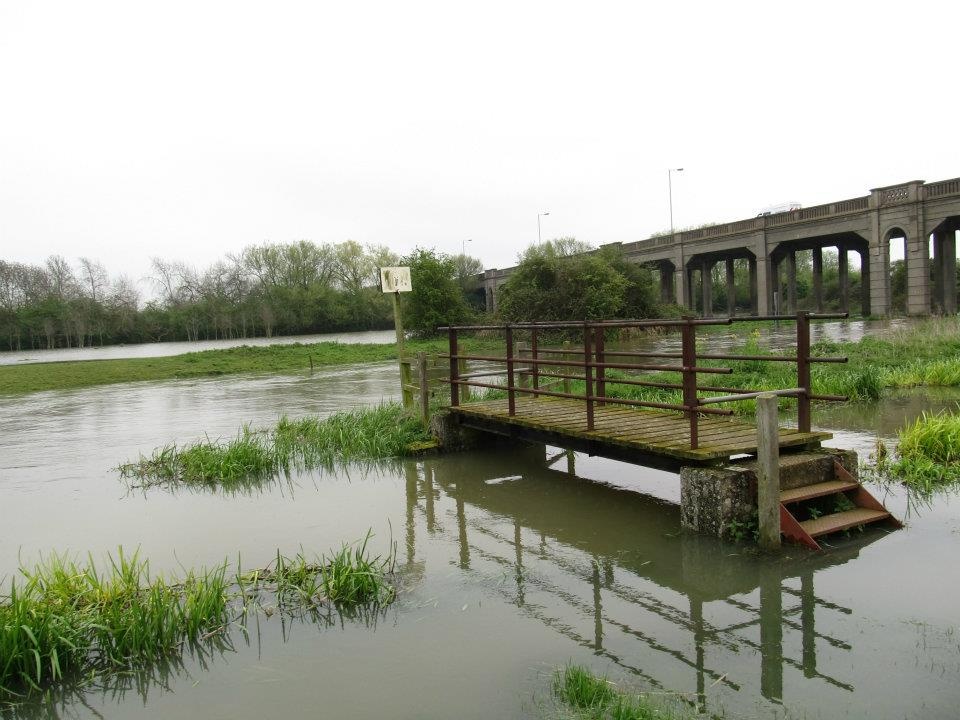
928	452
62	618
310	442
346	578
597	698
64	622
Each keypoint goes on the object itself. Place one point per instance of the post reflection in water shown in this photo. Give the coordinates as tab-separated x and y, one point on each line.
608	569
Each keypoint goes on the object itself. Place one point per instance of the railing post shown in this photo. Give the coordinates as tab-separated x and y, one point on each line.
803	371
535	368
689	361
511	398
454	368
601	384
768	471
566	369
588	373
424	381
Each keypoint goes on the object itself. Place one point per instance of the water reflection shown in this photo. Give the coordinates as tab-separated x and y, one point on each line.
607	569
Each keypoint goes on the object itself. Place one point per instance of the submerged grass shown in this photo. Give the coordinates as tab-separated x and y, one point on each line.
364	434
292	358
597	698
64	622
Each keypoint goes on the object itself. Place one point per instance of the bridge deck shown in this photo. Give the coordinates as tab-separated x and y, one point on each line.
651	432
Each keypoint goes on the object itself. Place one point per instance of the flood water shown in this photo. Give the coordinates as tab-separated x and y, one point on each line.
513	561
165	349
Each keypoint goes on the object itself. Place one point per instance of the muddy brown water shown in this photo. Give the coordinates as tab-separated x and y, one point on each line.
513	561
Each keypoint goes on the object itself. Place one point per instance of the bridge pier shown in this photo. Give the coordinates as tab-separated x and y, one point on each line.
818	279
706	287
944	272
843	271
731	289
714	499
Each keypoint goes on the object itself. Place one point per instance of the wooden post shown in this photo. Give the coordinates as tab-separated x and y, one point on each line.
566	369
803	371
524	379
406	395
511	396
689	361
535	367
601	372
462	370
406	382
454	368
588	373
768	471
424	387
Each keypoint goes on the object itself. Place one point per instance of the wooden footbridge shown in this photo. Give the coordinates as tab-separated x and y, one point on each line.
602	419
647	407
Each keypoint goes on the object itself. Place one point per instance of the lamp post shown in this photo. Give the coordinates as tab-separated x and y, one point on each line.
463	245
540	215
670	172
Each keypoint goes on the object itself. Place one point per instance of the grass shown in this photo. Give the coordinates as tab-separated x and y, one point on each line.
365	434
64	622
928	453
38	377
63	619
597	698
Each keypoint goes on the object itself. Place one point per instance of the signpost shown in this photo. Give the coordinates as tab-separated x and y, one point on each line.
395	280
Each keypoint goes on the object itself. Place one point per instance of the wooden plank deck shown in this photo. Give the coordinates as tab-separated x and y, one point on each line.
651	432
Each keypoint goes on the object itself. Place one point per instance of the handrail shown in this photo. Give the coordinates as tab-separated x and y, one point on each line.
591	359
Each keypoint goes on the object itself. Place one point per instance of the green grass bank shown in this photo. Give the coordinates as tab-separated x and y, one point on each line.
38	377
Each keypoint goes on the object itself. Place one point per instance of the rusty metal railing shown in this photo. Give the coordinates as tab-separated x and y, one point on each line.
593	360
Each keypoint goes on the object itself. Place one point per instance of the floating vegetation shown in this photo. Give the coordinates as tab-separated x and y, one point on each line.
597	698
365	434
928	453
63	622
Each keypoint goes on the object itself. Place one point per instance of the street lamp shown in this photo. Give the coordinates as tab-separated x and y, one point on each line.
463	244
670	172
540	215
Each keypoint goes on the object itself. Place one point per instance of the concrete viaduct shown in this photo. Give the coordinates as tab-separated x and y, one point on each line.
918	214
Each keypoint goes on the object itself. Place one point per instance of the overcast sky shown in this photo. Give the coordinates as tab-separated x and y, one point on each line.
190	130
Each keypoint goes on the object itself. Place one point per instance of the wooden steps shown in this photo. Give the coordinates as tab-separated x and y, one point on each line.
866	508
842	521
808	492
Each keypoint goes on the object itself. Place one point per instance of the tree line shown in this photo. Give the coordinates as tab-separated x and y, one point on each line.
265	290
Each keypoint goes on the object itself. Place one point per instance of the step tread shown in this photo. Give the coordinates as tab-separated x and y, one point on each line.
842	521
807	492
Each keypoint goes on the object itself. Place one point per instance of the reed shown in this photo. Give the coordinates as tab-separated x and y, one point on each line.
365	434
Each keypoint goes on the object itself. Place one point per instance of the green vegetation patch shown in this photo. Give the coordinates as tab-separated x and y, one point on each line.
590	696
365	434
928	453
292	358
67	622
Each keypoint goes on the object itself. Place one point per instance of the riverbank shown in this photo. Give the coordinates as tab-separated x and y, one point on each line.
40	377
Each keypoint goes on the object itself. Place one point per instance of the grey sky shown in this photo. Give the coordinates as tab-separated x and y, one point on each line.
188	130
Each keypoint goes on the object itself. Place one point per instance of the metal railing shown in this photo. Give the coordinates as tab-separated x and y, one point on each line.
537	363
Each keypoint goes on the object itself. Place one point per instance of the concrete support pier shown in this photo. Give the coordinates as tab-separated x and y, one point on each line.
713	500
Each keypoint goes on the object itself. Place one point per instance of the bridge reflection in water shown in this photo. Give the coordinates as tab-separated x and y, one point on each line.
608	569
